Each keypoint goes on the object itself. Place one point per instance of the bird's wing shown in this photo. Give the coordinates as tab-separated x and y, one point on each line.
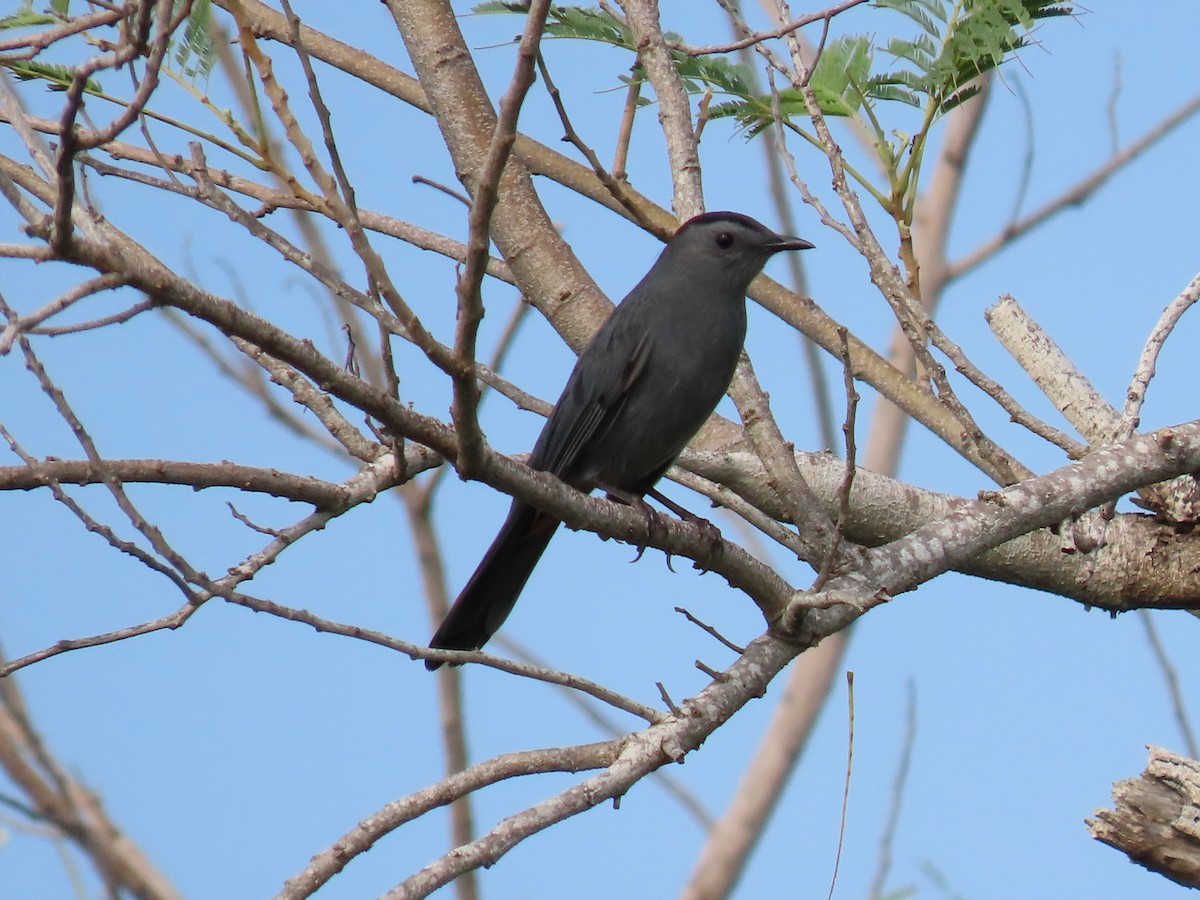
591	401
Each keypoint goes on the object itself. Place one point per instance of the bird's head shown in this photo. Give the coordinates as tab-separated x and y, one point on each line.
727	247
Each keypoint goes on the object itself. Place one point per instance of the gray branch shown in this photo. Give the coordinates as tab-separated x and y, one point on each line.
1156	822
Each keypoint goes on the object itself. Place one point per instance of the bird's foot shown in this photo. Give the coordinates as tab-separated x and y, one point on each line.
654	526
714	545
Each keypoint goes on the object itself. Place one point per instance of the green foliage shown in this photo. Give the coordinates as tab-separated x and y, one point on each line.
957	42
700	74
837	82
570	22
25	17
935	67
980	39
57	77
931	71
195	54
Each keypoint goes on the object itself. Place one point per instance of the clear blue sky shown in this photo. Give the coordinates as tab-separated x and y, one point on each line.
238	746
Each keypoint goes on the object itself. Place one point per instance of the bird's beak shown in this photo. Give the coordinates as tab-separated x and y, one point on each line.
783	242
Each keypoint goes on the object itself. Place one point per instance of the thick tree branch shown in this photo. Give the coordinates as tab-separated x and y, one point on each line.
674	107
1156	822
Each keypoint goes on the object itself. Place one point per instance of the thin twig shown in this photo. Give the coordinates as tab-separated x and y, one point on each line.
625	130
28	322
837	861
1074	449
778	456
1171	676
444	188
607	725
176	562
675	111
900	780
449	679
760	36
616	187
1081	191
169	16
1030	153
851	463
485	194
710	630
1135	395
782	200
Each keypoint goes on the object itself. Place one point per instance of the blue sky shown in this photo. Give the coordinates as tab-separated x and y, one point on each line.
236	747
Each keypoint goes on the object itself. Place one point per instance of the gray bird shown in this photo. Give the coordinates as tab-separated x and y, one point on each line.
639	392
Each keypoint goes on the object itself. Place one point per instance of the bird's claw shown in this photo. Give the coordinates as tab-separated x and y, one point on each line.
654	526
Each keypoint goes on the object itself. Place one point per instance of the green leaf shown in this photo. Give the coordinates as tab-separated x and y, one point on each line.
195	54
920	52
840	78
980	36
959	97
716	73
57	77
27	18
570	22
882	89
923	12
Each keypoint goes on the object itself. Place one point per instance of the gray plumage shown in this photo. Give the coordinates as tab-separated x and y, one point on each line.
639	392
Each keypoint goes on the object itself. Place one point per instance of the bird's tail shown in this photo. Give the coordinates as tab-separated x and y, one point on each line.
492	592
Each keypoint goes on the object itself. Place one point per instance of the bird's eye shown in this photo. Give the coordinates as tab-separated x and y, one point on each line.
724	240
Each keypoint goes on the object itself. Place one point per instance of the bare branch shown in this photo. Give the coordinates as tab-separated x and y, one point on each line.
759	37
1076	194
1135	396
636	756
197	476
449	680
364	836
483	205
1103	475
896	804
1171	676
729	844
71	297
815	528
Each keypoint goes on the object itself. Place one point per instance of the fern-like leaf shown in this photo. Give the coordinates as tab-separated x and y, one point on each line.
195	53
569	22
931	15
57	77
841	74
979	38
27	18
886	89
959	96
921	52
